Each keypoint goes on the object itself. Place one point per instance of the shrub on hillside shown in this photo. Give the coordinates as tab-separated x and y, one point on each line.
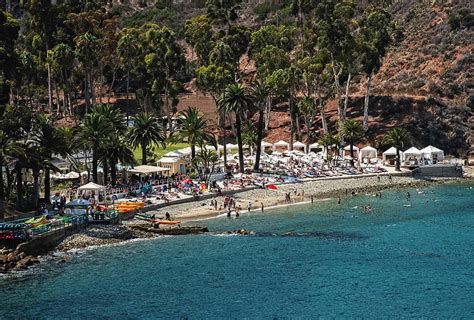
461	19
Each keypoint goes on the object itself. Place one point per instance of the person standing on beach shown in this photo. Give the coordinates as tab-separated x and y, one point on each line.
390	177
338	200
215	205
249	206
262	206
312	199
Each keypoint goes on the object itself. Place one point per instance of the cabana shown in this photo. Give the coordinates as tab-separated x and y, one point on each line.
281	144
412	156
91	188
266	145
432	155
174	164
390	155
368	153
315	145
347	152
145	169
299	145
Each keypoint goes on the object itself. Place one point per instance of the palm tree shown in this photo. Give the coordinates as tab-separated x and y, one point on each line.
93	134
207	160
8	148
146	130
352	130
327	141
118	150
399	138
236	99
261	92
52	141
194	129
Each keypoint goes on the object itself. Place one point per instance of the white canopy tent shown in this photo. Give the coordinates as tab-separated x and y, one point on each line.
145	169
389	153
314	146
299	144
281	143
367	154
432	154
412	156
347	151
92	188
266	145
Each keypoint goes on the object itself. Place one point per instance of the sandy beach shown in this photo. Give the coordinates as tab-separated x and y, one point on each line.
299	193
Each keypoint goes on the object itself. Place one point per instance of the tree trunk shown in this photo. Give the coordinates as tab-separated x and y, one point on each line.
324	121
268	108
337	88
106	172
308	132
366	104
36	187
19	188
346	98
47	185
224	140
352	153
193	151
143	153
91	84
113	171
239	142
259	140
94	165
2	185
128	87
50	88
397	162
87	93
292	123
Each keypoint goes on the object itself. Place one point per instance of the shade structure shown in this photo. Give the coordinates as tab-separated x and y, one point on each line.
367	153
230	146
346	152
432	154
81	203
314	146
299	144
92	187
390	152
266	144
281	143
145	169
412	156
175	154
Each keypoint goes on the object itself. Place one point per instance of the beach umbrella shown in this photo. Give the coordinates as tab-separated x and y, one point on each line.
272	187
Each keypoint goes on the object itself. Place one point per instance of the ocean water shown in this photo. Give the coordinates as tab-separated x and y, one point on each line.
306	261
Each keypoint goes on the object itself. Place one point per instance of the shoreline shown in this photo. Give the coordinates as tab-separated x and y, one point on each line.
199	211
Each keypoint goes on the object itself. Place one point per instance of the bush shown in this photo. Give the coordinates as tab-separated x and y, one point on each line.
462	19
262	10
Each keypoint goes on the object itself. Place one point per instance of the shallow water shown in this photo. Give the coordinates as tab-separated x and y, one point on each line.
309	260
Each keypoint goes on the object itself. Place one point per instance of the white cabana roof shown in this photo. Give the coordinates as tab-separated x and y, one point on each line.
220	147
281	143
392	151
299	144
169	159
412	152
348	148
231	146
144	169
175	154
91	186
368	148
266	144
314	145
431	149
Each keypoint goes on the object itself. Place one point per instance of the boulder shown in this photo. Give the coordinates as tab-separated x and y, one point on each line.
26	262
12	257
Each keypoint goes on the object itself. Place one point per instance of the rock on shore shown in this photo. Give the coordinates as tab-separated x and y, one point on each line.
15	261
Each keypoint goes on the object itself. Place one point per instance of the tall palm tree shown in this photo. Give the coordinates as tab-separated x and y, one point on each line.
93	134
194	129
52	141
352	130
8	148
236	99
261	92
146	130
399	138
118	150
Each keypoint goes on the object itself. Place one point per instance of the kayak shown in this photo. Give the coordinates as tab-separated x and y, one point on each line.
167	222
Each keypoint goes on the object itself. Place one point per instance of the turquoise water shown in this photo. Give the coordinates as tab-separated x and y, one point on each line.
324	260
